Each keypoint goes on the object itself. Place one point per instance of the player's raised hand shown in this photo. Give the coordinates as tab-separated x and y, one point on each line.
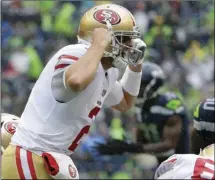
140	45
101	37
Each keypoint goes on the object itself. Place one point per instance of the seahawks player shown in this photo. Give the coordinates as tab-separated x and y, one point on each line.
162	127
203	133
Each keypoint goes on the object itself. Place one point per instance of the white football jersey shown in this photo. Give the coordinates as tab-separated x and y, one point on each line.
56	118
186	166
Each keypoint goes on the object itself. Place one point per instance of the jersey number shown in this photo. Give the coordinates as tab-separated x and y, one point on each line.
203	169
209	104
84	130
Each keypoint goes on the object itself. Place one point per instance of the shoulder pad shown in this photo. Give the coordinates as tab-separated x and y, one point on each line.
75	49
68	55
170	101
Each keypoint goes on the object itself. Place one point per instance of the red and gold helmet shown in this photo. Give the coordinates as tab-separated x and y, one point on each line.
9	123
118	20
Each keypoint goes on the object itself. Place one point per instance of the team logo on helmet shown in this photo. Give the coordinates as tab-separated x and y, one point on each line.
104	15
72	171
11	127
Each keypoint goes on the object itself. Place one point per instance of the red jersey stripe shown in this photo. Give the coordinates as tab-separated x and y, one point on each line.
59	66
172	160
69	57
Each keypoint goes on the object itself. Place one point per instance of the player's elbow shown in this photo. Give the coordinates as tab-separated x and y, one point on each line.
123	105
128	107
74	83
125	108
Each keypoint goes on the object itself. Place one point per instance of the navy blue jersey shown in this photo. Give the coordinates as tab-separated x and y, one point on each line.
154	115
204	120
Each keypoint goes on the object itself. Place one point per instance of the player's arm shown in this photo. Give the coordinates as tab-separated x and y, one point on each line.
81	73
172	129
171	136
129	94
124	93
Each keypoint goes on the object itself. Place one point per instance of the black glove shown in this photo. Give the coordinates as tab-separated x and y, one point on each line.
115	146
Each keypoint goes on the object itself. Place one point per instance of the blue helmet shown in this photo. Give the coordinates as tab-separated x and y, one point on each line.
152	79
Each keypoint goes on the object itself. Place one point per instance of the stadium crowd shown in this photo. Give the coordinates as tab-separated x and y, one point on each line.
179	37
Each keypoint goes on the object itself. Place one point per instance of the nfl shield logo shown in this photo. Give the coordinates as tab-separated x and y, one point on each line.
104	92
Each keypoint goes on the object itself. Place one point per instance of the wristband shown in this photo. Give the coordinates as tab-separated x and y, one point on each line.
131	81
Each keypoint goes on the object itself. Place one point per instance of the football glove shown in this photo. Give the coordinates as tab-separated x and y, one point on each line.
114	146
141	45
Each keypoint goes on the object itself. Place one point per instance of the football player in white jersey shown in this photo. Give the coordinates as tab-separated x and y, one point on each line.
9	123
188	166
192	166
71	90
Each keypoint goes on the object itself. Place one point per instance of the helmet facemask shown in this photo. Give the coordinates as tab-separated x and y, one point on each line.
122	53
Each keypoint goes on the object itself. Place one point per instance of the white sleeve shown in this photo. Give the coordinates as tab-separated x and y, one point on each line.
167	175
66	58
165	168
115	96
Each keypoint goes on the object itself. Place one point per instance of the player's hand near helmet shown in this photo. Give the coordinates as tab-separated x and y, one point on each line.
101	37
140	45
131	78
81	73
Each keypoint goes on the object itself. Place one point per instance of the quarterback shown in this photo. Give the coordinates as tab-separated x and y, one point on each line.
71	90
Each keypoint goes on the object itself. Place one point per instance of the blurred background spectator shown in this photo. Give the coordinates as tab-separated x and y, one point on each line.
179	36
